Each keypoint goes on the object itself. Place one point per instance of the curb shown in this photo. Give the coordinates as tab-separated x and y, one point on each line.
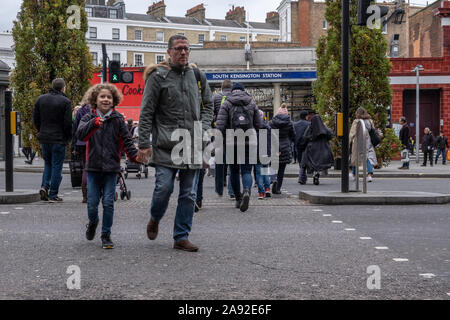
374	198
19	196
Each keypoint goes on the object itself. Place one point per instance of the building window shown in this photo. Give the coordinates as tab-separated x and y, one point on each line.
138	59
93	32
223	38
116	34
242	39
160	58
324	24
201	38
113	14
89	11
116	56
159	36
94	58
275	39
138	35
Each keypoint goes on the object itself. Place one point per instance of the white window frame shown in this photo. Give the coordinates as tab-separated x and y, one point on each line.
118	34
89	11
116	14
201	35
94	58
138	54
324	24
116	53
91	30
242	38
160	33
223	37
158	56
140	31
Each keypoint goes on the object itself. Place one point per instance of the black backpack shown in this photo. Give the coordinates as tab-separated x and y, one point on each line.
240	118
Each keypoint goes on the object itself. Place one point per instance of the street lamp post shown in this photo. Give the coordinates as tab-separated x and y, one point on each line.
417	69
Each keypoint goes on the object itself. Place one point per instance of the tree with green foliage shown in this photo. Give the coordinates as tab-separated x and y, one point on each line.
49	42
369	69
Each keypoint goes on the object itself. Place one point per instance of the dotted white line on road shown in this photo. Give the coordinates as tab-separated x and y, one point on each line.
67	193
382	248
326	215
400	259
448	293
318	210
365	238
350	229
4	212
427	275
19	208
336	221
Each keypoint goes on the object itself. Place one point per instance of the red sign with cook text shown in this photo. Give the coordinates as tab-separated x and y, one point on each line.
131	92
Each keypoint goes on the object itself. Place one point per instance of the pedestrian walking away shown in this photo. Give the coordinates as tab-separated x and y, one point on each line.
79	146
441	147
220	177
239	111
427	147
362	114
176	94
105	132
52	117
299	130
404	138
262	172
285	127
317	155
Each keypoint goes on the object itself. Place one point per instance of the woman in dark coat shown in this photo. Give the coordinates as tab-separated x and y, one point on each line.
283	123
317	155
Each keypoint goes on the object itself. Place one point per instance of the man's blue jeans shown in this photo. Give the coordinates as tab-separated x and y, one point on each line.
263	180
53	155
444	155
164	182
101	185
247	180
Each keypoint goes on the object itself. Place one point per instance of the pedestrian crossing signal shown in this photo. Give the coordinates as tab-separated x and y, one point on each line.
114	71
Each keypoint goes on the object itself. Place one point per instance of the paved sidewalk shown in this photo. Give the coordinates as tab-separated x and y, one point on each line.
391	171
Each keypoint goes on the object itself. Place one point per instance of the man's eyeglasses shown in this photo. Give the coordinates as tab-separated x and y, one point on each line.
179	49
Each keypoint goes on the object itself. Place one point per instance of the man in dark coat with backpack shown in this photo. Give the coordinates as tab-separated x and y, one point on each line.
300	128
239	111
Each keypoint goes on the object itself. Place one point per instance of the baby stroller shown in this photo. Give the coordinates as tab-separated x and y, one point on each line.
124	192
135	167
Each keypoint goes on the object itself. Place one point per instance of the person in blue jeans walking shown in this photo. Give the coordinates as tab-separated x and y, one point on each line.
52	117
176	97
105	132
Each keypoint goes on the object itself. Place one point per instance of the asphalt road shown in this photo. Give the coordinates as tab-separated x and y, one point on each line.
280	248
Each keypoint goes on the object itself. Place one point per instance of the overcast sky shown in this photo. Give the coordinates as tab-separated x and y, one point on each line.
215	9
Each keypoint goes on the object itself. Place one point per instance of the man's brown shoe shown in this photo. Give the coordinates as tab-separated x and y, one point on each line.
185	245
152	229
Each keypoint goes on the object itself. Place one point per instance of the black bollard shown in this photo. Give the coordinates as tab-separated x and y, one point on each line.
9	183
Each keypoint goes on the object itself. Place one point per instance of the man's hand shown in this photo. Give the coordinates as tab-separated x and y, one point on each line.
144	155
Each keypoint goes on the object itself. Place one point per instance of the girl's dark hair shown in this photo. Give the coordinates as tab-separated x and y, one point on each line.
93	92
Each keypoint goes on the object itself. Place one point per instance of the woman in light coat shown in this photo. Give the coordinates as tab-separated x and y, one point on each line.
362	114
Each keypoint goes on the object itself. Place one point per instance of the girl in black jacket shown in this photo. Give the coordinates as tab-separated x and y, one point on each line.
106	133
283	123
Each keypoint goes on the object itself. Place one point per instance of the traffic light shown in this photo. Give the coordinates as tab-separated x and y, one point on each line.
364	12
114	71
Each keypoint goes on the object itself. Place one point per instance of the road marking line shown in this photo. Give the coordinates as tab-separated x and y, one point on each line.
382	248
427	275
448	293
365	238
326	215
19	208
336	221
67	193
400	259
317	210
5	212
350	229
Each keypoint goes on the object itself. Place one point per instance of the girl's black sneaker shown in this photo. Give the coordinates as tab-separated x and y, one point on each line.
90	230
106	242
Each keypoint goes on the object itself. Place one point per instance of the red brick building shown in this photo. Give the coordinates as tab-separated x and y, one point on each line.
429	33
